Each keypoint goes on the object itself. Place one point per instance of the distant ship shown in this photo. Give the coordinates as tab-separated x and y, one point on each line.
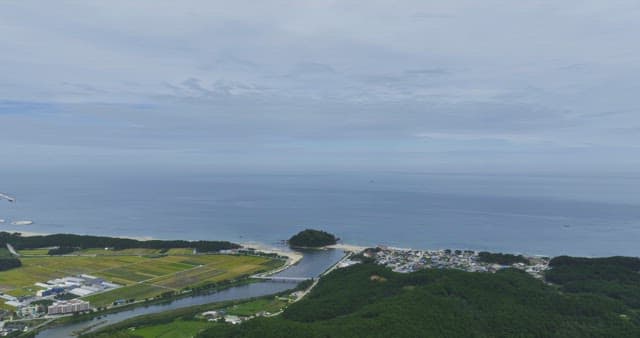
22	222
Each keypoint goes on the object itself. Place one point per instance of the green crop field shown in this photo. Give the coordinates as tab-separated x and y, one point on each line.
176	329
125	252
141	276
34	252
197	275
178	251
137	292
251	308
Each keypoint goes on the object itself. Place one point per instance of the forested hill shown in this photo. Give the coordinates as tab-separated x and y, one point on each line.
8	261
367	300
312	239
84	242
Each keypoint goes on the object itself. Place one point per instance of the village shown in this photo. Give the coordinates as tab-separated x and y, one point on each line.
409	260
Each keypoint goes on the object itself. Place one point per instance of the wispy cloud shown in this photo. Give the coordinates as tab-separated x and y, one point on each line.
233	77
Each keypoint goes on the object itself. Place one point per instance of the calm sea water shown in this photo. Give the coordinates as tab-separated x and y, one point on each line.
591	216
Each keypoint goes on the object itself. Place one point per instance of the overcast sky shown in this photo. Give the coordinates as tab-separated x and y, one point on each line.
464	86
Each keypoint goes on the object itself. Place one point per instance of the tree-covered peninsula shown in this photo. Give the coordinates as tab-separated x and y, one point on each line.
312	239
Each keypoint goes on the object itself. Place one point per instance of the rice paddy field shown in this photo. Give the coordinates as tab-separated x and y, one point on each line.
142	273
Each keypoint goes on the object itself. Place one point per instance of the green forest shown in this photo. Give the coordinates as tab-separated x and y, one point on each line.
312	239
86	242
501	258
588	298
8	261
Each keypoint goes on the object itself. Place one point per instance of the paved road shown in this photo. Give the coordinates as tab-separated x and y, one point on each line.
12	250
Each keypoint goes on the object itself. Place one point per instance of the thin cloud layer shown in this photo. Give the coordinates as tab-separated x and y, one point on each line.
455	86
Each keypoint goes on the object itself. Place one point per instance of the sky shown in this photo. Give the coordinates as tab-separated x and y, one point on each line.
488	86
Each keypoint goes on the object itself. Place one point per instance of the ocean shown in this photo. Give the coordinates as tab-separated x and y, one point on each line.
537	215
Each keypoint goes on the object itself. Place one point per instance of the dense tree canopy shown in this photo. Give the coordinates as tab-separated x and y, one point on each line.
85	242
501	258
615	277
7	260
63	250
312	238
7	263
371	301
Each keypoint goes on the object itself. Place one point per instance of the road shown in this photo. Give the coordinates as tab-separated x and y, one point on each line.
12	250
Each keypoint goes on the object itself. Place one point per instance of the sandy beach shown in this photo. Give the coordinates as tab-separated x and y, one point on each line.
347	247
293	256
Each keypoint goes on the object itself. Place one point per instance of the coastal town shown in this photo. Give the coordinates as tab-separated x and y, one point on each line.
409	260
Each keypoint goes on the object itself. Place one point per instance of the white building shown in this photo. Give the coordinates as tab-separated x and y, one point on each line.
232	319
74	305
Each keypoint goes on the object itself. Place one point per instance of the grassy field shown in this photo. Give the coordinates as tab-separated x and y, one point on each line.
137	292
251	308
176	329
141	275
34	252
110	252
103	252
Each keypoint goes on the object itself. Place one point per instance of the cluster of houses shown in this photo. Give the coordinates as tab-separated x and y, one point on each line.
221	315
7	328
67	288
408	260
82	285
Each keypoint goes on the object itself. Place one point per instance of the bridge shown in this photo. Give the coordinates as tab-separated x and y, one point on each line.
283	279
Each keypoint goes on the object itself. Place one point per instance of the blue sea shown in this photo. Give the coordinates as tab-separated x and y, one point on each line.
546	215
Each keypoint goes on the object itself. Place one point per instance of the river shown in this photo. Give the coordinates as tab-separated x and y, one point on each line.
312	264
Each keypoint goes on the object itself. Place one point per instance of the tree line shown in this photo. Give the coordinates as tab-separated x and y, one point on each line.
86	242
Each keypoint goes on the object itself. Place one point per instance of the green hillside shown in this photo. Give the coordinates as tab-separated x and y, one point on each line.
371	301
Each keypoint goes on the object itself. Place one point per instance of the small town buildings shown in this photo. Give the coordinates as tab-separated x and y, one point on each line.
232	319
212	315
30	311
69	306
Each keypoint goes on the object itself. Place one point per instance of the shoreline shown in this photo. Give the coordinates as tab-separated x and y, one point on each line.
295	256
35	233
347	247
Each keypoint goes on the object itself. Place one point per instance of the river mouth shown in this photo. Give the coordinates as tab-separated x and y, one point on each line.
313	263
